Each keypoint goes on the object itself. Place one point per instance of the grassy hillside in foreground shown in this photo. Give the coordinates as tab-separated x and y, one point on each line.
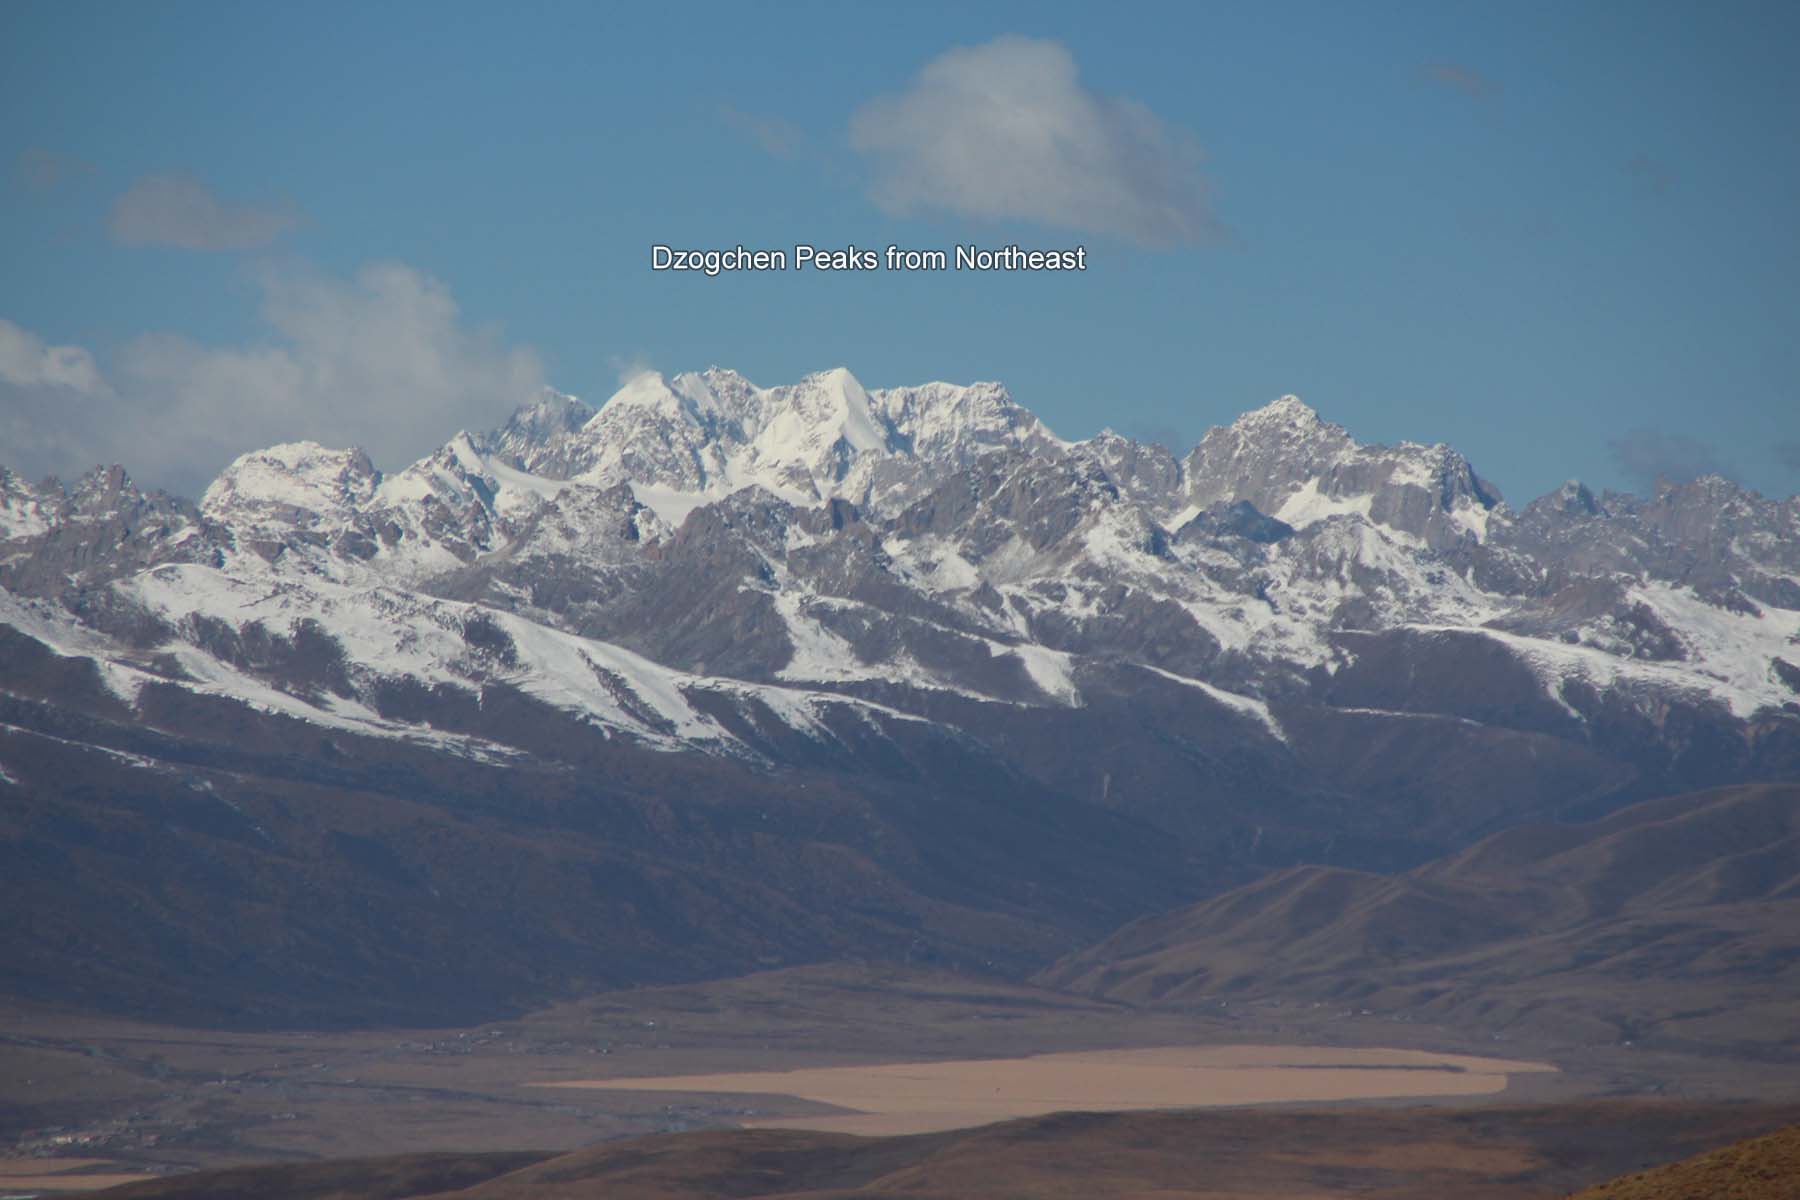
1763	1168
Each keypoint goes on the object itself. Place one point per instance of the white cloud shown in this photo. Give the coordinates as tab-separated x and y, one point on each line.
53	400
1007	129
627	367
179	210
27	362
382	360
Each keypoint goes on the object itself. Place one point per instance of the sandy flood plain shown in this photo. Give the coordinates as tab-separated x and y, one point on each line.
924	1097
42	1175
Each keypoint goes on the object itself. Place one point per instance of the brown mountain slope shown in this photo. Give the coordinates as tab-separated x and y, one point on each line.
1764	1168
391	1178
1505	1153
1675	921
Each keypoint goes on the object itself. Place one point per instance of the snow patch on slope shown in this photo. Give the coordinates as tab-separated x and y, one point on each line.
1738	676
1249	706
1308	505
1052	671
386	632
1735	649
819	654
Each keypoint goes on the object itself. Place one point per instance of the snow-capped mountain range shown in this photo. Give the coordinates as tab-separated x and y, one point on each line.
721	675
863	544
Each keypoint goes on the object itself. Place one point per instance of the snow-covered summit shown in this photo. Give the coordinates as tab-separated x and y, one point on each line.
696	437
946	421
538	427
692	439
1289	413
1299	468
292	483
808	436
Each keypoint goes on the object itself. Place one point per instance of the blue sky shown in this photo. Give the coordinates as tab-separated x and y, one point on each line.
1557	236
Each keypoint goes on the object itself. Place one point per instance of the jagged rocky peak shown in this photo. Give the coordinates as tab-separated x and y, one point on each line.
731	390
1711	488
99	491
456	474
25	510
1148	472
643	397
292	483
708	434
650	432
103	494
551	414
548	436
107	495
939	421
1573	499
101	527
1725	521
1291	417
1293	465
1265	456
538	430
1014	496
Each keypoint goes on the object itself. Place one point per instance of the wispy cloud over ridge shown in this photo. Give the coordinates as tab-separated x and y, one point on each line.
383	360
179	210
1647	456
1008	129
26	361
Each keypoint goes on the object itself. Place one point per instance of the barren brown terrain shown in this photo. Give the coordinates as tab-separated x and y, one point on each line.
1299	989
162	1100
1489	1153
1668	925
59	1175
